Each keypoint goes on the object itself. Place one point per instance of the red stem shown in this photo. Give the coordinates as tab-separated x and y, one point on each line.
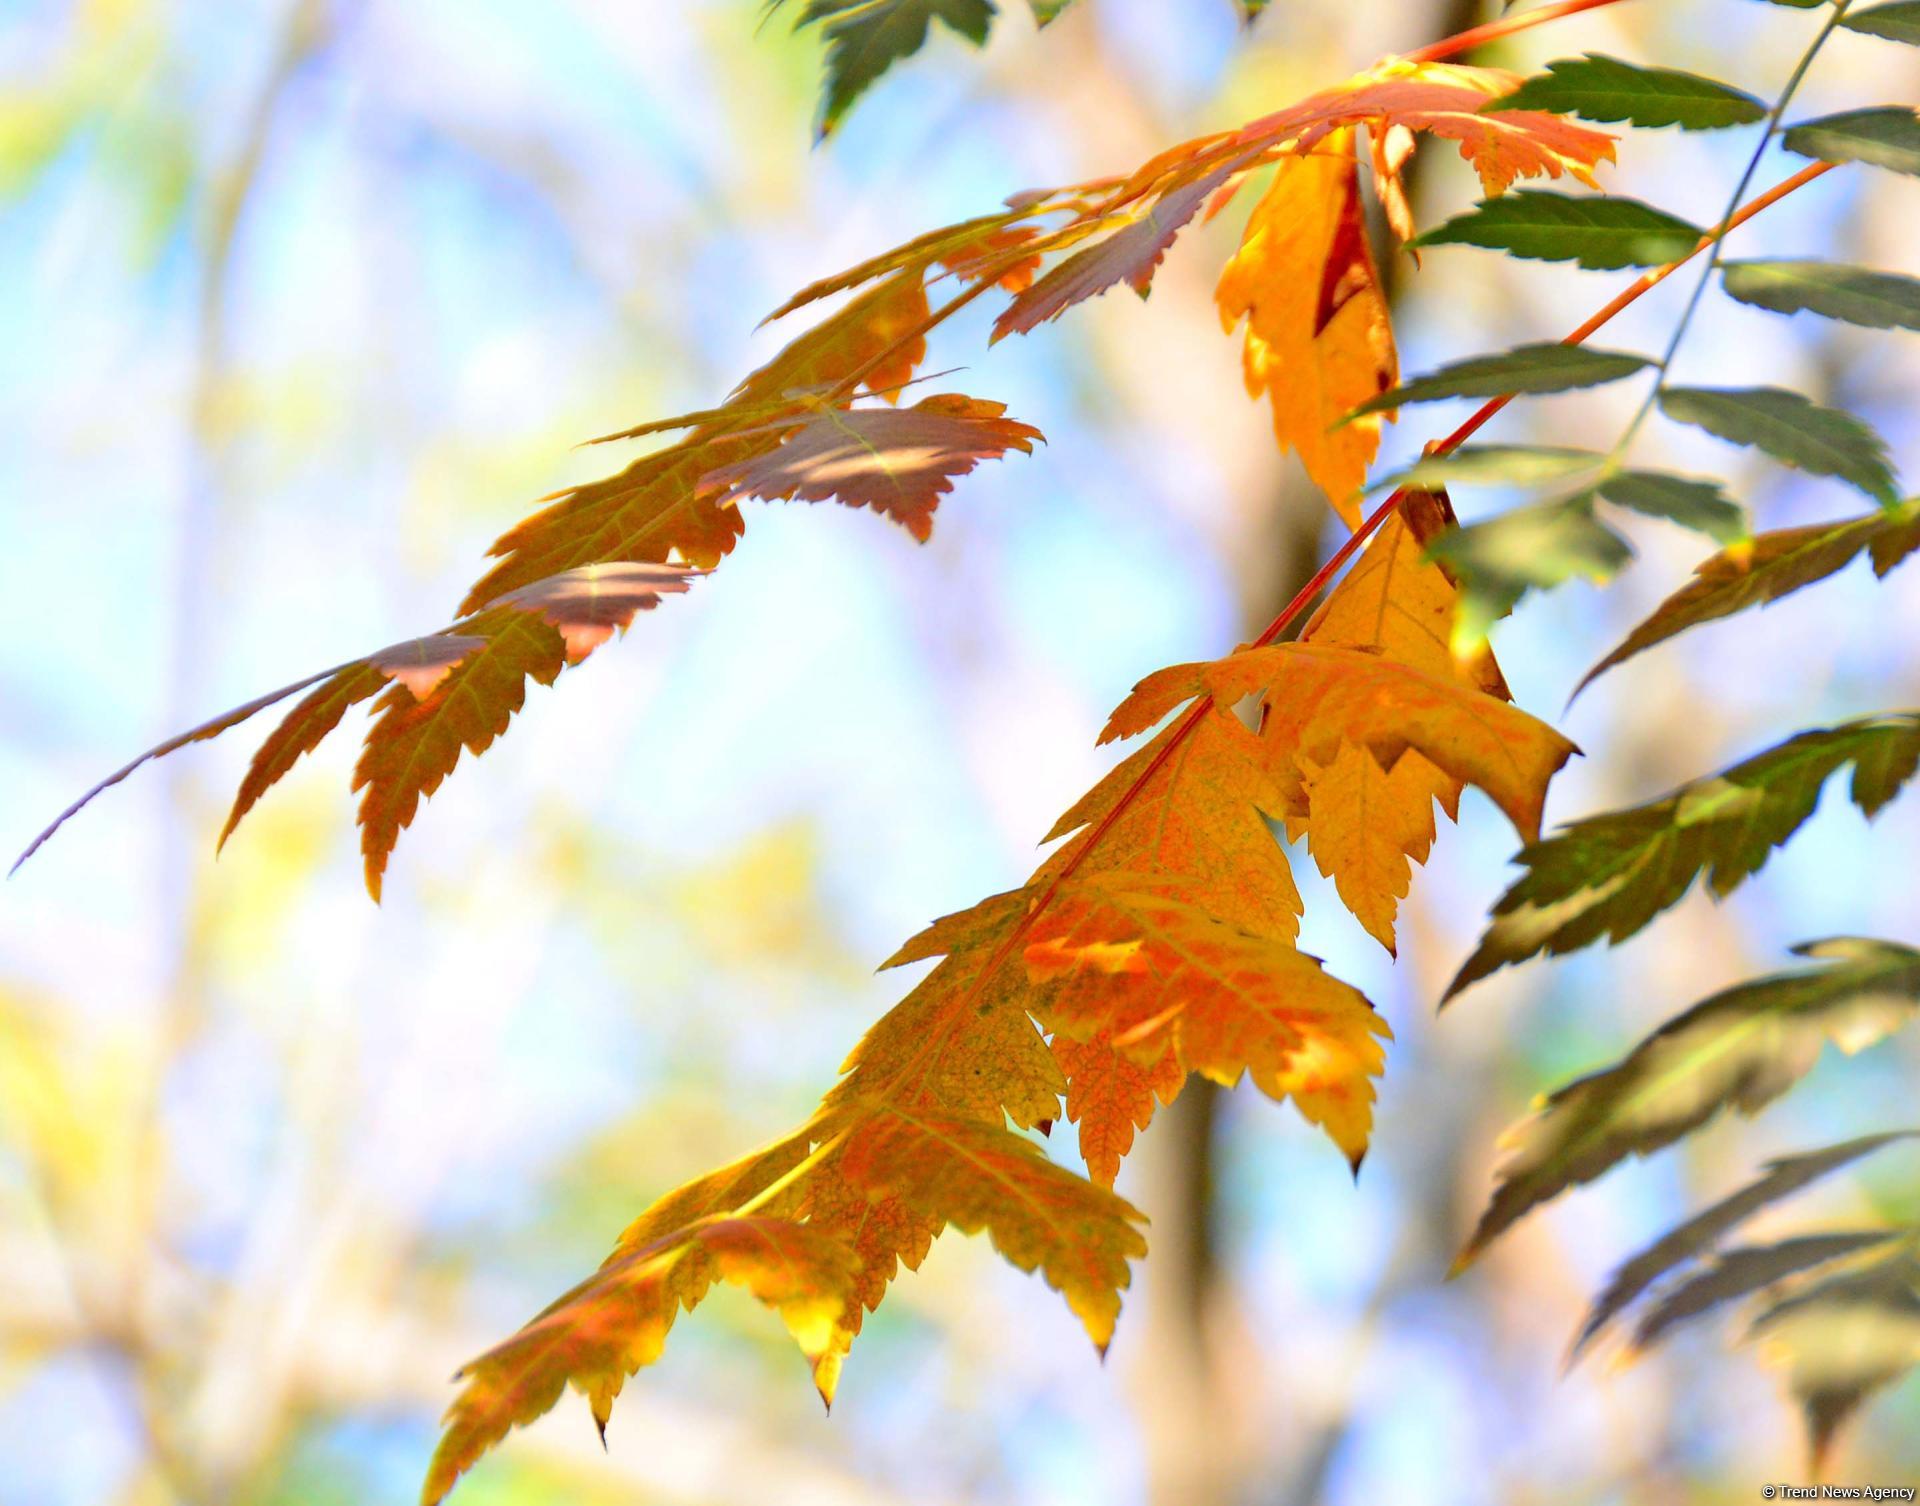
1493	31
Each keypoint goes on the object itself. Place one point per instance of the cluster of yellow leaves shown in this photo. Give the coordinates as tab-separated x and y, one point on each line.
1156	941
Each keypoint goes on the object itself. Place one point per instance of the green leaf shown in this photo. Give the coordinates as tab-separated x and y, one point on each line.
1609	875
1599	233
1678	1246
1497	562
1490	464
1742	1272
1740	1049
1887	136
1047	11
1799	4
1525	368
867	37
1699	505
1842	1339
1792	429
1604	88
1760	572
1898	22
1877	300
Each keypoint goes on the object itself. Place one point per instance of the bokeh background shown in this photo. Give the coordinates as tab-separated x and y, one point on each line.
303	302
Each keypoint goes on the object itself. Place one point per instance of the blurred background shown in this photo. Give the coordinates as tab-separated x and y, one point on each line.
304	302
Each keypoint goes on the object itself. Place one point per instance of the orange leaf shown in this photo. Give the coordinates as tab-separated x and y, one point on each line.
1161	976
1040	1216
452	689
1130	255
1444	99
1318	342
1315	697
898	462
1110	1095
654	511
1369	824
1362	820
617	1320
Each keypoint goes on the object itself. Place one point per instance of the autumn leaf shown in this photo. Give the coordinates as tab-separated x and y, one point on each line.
617	1321
1400	601
1740	1049
1366	824
1129	254
899	462
1315	697
654	511
999	247
1318	341
1138	219
1446	100
979	1177
1427	734
444	692
1195	812
1161	977
1110	1096
1205	981
1609	875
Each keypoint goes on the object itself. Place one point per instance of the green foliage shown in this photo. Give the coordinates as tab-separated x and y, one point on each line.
1760	572
1526	368
867	37
1875	300
1898	21
1692	1239
1605	88
1887	136
1793	429
1699	505
1740	1049
1607	876
1508	464
1528	548
1599	234
1738	1273
1845	1337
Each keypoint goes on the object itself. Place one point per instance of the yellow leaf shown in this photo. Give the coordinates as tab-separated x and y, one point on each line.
1110	1095
1115	955
1367	825
1319	342
980	1177
617	1320
1314	697
1362	821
